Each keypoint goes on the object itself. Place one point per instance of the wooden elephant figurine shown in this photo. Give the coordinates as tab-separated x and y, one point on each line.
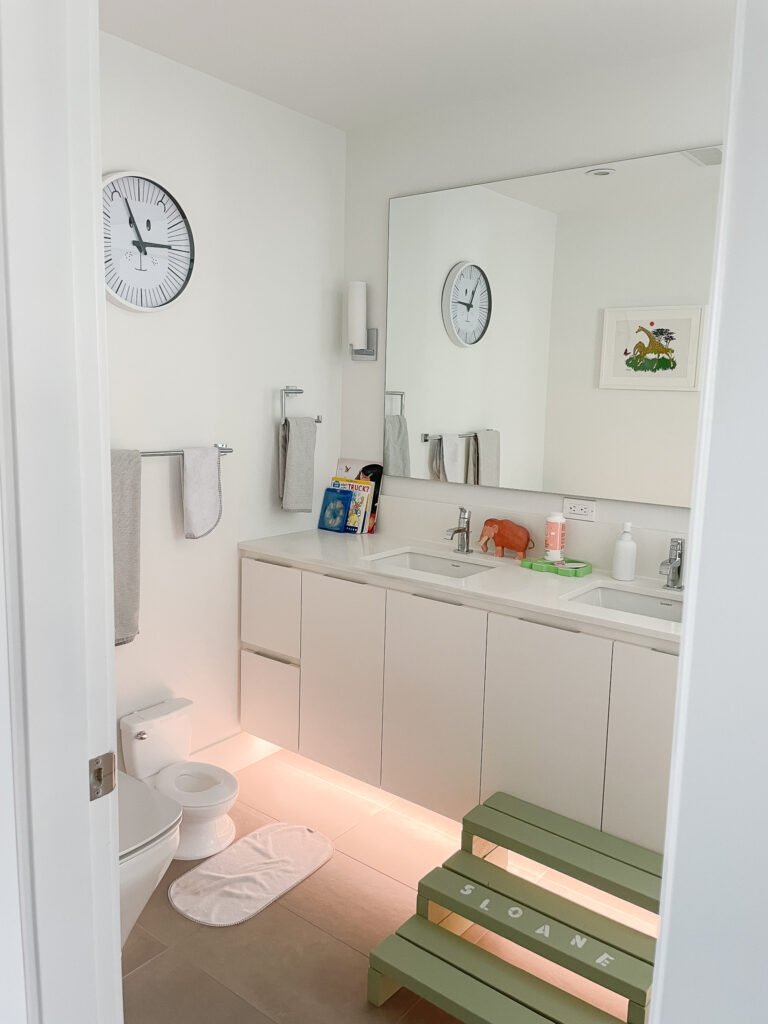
505	534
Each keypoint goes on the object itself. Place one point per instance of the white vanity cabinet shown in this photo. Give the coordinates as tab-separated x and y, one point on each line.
546	716
640	727
342	675
434	674
270	607
269	699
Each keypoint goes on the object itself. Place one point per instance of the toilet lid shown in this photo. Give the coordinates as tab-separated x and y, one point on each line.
196	784
143	815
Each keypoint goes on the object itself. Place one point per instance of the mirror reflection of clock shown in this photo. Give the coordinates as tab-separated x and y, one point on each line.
466	304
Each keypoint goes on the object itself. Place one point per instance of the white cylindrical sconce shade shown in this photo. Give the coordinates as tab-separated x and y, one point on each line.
357	315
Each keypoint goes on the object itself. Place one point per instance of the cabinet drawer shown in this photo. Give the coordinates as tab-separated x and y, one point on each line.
270	608
269	699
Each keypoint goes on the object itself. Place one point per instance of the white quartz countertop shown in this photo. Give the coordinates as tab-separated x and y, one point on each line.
507	588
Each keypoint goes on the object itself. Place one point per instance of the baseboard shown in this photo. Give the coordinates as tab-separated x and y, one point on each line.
235	752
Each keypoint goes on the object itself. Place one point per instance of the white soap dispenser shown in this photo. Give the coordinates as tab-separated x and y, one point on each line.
625	555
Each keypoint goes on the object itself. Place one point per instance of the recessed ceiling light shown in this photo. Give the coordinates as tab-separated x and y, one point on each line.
601	172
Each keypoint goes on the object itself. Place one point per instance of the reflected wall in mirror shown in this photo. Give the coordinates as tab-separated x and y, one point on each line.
523	407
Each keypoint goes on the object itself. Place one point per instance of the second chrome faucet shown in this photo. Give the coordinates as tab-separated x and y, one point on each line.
462	532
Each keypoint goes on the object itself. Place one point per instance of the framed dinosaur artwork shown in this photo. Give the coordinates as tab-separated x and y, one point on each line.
654	348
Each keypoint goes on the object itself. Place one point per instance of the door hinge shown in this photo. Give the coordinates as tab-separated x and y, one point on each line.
102	775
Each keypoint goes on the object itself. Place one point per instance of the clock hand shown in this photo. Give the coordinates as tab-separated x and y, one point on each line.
142	248
151	245
472	296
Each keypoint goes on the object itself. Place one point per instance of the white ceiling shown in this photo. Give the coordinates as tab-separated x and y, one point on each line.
353	63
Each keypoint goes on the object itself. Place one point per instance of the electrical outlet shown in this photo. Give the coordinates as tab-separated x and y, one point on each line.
579	508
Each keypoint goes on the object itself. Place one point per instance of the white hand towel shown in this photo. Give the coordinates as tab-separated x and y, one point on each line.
454	459
201	491
296	463
126	530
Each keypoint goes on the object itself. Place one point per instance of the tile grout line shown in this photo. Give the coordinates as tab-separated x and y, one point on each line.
149	961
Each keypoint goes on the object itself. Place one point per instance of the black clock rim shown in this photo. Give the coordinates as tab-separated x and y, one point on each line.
184	217
471	344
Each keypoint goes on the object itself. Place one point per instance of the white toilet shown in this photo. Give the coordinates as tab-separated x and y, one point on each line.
149	835
156	743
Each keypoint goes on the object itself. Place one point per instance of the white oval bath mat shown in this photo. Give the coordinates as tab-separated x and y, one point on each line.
250	874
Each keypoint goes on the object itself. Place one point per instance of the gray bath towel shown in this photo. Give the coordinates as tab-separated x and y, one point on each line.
397	453
484	458
201	490
126	529
296	463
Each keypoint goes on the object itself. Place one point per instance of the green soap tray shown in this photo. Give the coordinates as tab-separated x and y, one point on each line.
542	565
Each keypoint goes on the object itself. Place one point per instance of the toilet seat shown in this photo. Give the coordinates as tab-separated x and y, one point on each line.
196	784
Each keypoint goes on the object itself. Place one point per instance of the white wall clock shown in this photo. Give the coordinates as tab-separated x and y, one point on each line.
149	251
466	304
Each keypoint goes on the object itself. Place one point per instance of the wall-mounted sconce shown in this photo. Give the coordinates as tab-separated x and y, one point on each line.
363	341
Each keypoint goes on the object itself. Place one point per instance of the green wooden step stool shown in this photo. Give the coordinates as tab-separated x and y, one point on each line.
479	988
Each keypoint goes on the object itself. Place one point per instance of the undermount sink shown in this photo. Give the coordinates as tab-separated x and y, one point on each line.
434	565
667	605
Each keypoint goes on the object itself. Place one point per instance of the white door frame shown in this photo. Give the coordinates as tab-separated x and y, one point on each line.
713	945
59	701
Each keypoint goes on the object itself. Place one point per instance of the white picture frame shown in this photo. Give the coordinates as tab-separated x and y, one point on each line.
651	348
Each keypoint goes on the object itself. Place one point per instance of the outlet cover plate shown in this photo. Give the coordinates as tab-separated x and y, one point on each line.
579	508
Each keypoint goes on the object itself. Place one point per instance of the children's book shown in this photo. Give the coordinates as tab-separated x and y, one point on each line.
361	469
361	491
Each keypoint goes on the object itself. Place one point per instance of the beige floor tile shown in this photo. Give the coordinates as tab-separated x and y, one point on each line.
427	818
292	971
139	948
289	794
397	845
530	870
345	782
158	917
601	902
352	902
550	972
425	1013
169	990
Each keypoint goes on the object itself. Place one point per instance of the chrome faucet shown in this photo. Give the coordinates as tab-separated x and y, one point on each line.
672	567
462	544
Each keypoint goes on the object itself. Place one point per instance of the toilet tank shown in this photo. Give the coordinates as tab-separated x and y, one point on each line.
156	737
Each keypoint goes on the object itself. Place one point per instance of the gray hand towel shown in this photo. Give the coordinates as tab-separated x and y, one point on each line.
126	529
201	490
473	461
397	452
296	463
488	457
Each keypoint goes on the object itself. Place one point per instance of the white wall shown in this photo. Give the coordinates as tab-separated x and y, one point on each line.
451	389
263	188
711	957
655	251
665	105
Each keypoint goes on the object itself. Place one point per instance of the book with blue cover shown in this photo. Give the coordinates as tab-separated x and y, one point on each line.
334	511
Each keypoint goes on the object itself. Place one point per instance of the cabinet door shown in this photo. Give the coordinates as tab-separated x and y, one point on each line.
342	675
433	702
546	716
269	699
270	608
640	726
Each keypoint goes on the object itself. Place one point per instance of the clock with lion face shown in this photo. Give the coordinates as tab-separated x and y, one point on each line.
466	304
149	251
